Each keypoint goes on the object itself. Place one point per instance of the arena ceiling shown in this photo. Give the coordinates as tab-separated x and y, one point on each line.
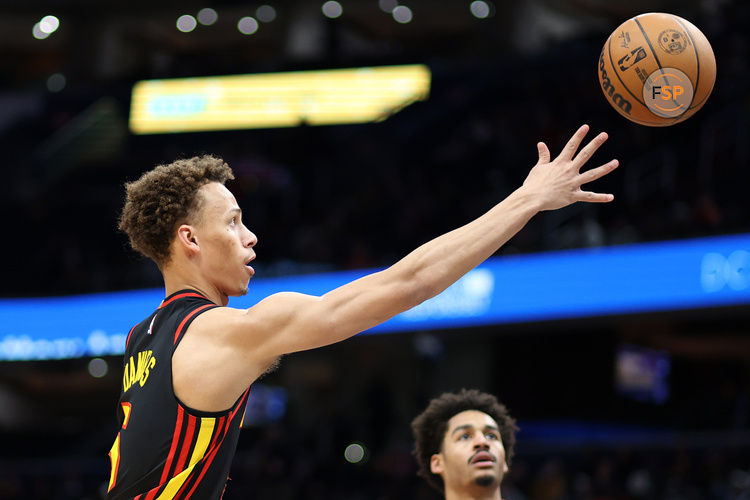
103	41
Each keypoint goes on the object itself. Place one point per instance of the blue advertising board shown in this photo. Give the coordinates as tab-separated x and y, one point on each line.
662	276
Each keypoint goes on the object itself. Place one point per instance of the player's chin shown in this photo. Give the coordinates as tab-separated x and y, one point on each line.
244	284
239	290
489	476
487	479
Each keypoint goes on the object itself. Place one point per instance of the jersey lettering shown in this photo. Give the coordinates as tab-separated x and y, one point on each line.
138	371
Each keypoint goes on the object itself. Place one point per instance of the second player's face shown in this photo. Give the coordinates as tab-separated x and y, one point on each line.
226	245
472	454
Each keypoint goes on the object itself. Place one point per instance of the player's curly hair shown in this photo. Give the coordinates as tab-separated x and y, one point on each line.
430	426
165	197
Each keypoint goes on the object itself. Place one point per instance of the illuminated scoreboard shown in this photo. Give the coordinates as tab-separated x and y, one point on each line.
326	97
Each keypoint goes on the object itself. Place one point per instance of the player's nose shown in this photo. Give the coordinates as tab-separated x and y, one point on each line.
250	239
481	443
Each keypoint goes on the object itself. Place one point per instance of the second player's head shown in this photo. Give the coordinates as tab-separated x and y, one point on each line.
464	441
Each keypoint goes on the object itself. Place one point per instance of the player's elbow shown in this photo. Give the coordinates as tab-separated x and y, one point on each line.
421	286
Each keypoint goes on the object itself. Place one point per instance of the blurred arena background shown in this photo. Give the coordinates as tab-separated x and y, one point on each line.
649	403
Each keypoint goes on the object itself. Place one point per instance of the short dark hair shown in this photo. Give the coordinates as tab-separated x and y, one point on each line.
430	426
163	198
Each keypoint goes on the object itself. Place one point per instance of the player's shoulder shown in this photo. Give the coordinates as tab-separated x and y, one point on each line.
267	314
218	320
264	318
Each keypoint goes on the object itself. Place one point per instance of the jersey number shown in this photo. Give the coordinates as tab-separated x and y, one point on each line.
114	452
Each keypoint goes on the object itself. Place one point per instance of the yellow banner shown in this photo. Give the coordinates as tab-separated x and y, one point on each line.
326	97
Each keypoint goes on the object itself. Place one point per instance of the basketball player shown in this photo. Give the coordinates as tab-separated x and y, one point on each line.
190	364
464	443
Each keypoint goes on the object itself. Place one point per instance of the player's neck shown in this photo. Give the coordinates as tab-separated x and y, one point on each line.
176	278
473	492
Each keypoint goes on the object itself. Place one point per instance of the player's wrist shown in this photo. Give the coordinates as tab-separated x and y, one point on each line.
528	200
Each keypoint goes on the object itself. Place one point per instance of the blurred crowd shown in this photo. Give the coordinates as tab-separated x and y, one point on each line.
281	466
579	438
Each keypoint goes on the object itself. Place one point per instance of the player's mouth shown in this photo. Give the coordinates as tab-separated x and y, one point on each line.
248	266
482	458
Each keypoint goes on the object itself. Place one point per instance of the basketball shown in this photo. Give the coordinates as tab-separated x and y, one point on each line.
657	69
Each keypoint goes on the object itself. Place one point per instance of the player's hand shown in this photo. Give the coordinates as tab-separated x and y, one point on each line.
556	184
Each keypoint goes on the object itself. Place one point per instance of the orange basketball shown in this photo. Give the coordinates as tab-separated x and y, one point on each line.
657	69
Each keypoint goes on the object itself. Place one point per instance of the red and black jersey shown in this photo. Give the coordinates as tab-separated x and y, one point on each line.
166	450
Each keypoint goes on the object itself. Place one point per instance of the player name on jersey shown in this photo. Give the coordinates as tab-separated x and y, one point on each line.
138	371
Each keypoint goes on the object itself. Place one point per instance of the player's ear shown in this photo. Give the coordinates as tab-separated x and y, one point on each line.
505	467
436	463
187	238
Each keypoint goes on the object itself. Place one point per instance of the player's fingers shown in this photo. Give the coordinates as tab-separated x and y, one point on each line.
591	197
572	146
588	150
598	172
543	153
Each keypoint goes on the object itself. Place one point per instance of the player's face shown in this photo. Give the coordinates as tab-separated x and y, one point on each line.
472	454
226	245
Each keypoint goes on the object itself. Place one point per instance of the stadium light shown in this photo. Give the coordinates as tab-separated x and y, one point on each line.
186	23
56	82
402	14
38	33
480	9
247	25
332	9
387	5
265	13
49	24
207	16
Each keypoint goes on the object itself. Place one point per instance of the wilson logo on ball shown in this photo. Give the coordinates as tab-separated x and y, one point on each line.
609	89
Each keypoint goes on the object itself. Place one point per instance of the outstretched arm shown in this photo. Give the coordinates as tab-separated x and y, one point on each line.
233	347
289	322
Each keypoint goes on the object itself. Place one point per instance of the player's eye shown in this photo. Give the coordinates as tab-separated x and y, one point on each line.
492	435
233	221
465	435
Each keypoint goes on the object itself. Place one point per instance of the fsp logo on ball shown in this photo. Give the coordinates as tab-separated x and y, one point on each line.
668	92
